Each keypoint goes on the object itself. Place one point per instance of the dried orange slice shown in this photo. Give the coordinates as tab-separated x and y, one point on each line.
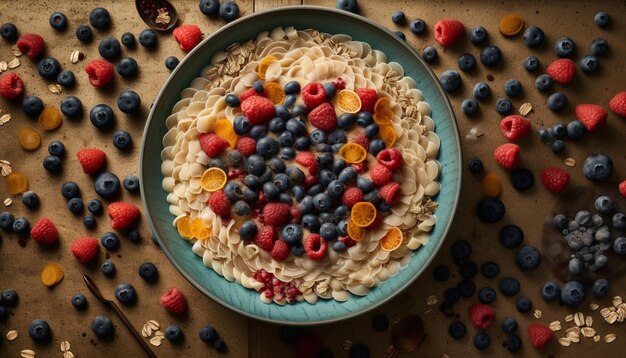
199	230
511	25
51	274
183	225
213	179
50	118
264	64
383	115
274	92
392	239
363	213
348	101
17	183
356	233
492	185
352	153
224	128
28	138
388	135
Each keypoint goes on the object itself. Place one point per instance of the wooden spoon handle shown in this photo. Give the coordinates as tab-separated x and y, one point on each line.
132	330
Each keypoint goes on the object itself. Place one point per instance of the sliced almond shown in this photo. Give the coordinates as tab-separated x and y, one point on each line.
3	66
570	162
16	52
569	318
525	108
154	324
5	118
65	346
55	88
555	326
609	338
156	341
596	338
565	341
589	321
537	314
617	300
11	335
593	306
27	353
431	300
8	202
579	319
68	354
14	63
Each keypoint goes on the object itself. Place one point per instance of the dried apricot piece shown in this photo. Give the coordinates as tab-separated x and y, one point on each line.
213	179
199	230
274	92
51	274
352	153
363	213
264	64
355	232
511	25
183	225
348	101
17	183
492	185
50	118
28	138
388	135
224	128
392	239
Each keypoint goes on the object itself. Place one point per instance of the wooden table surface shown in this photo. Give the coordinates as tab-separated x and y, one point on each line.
20	266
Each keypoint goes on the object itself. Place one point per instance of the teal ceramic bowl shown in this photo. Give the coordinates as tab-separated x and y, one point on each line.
233	295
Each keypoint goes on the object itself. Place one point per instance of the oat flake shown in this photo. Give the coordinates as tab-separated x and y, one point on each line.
555	326
65	346
588	332
16	52
596	338
8	202
565	342
592	306
146	331
5	118
617	300
609	338
55	88
156	341
5	168
579	319
154	324
570	162
346	345
27	353
431	300
15	63
75	56
68	354
612	318
525	108
11	335
537	314
3	66
589	321
569	318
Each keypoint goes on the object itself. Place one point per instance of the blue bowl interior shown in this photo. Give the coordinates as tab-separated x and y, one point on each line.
231	294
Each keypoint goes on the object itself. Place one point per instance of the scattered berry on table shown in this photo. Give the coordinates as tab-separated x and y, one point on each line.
504	105
417	26
599	46
461	250
52	164
174	301
75	206
514	127
102	327
148	271
481	91
575	130
127	67
564	47
398	17
83	33
70	190
429	54
522	179
618	220
125	293
490	56
558	146
441	273
347	5
589	64
573	294
6	221
188	36
507	155
448	31
533	37
91	159
131	183
482	315
101	116
89	221
122	140
229	11
555	179
48	68
100	73
550	291
72	107
487	295
490	269
509	286
173	334
32	106
122	214
468	269
110	241
66	78
108	268
466	62
129	102
512	88
39	331
544	83
524	304
79	301
450	81
148	38
128	39
531	63
539	335
209	335
31	45
8	31
100	18
30	199
513	343
109	48
133	235
618	104
490	210
600	288
509	325
470	106
604	204
598	167
400	34
482	340
107	185
466	288
209	7
95	207
457	330
602	19
475	165
478	35
593	116
171	63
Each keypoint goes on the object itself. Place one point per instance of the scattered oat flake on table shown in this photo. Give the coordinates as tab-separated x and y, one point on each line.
5	118
617	300
15	63
8	202
570	162
569	318
156	341
3	66
445	356
609	338
16	52
538	314
27	353
596	338
555	326
346	345
592	306
431	300
68	354
589	321
564	341
65	346
75	56
146	331
154	324
5	168
55	88
11	335
525	108
588	332
579	319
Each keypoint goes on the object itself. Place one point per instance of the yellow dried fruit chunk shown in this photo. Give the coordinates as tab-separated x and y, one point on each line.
492	185
51	274
199	230
224	128
511	25
28	138
348	101
183	225
50	118
274	92
363	213
355	232
352	153
264	64
392	239
17	183
213	179
388	135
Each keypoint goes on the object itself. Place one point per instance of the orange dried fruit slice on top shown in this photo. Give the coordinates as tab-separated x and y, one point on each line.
392	239
352	153
355	232
224	128
264	64
183	225
348	101
274	92
28	138
388	135
17	183
382	104
363	213
213	179
511	25
199	230
383	115
50	118
492	185
51	274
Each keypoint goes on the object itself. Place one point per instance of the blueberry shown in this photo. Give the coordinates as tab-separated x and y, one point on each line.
302	143
125	293
372	197
466	62
210	7
101	116
557	146
75	206
364	184
602	19
282	182
48	68
58	21
148	271
478	35
470	106
9	297
109	48
599	46
619	246
468	269
66	78
219	345
401	35
326	158
89	221
330	90
108	268
372	130
69	190
564	47
481	91
522	179
490	269
490	56
277	166
8	32
241	125
311	223
100	18
131	183
450	81
109	241
398	17
291	234
544	83
255	165
128	40
457	330
533	37
509	286
490	210
107	185
604	204
122	140
504	105
573	294
429	54
347	5
475	165
127	67
39	331
380	322
102	327
52	163
618	220
248	230
32	106
598	167
148	38
341	212
285	139
589	64
487	295
79	301
83	33
306	205
441	273
347	175
296	126
322	202
229	11
466	288
528	258
270	191
576	130
524	304
6	221
129	102
417	26
335	189
345	120
531	63
292	87
173	333
509	325
550	291
512	88
328	231
482	340
461	250
276	125
208	334
290	100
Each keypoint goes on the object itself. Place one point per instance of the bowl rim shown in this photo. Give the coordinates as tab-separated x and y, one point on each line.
450	113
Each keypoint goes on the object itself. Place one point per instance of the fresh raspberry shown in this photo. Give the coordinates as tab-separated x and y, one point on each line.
555	179
258	110
122	214
539	335
622	188
313	94
188	36
265	238
368	97
618	104
100	73
323	117
447	31
85	249
11	86
280	251
307	159
507	155
31	45
562	70
380	174
377	221
276	214
339	84
362	140
310	180
44	232
246	146
514	126
362	167
91	159
390	157
248	93
351	196
592	116
212	144
482	315
315	247
174	301
219	203
296	214
390	192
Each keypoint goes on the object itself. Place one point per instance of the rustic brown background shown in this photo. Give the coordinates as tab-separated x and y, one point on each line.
20	267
